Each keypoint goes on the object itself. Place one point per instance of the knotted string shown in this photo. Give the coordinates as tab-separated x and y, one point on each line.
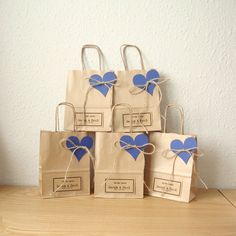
75	147
106	83
128	146
175	153
139	147
92	86
140	88
191	151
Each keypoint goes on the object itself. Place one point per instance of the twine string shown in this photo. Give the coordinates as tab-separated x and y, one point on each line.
126	105
128	146
141	123
195	171
145	184
57	122
100	55
139	147
181	116
191	151
124	57
92	86
140	88
75	147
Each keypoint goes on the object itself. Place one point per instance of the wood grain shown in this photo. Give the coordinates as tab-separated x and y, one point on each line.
23	212
230	194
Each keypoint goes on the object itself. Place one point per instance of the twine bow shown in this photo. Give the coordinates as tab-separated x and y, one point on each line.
75	147
139	147
191	151
128	146
140	88
92	86
106	83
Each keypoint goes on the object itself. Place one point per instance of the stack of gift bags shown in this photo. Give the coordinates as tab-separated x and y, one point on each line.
113	143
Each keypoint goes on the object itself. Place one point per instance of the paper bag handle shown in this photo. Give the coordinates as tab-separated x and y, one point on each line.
181	114
57	125
126	105
124	57
99	51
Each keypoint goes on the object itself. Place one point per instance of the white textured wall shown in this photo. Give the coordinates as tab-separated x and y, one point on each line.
190	42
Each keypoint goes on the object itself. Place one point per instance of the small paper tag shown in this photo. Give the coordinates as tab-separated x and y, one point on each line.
71	184
143	118
120	186
90	119
167	186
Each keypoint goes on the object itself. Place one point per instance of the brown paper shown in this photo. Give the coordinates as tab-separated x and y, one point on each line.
117	174
169	178
158	170
146	107
93	109
54	161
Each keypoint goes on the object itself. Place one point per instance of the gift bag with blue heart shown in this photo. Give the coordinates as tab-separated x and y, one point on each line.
65	161
141	89
119	166
171	171
91	92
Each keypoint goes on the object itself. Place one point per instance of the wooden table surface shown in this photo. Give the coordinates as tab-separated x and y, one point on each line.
230	195
23	212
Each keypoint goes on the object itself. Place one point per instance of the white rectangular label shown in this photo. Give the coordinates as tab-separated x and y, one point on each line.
143	118
89	119
71	184
120	186
167	186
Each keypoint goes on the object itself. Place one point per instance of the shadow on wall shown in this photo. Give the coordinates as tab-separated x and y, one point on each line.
207	167
4	163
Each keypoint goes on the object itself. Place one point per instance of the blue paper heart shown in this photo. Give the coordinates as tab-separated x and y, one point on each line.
189	144
87	141
141	80
139	140
109	77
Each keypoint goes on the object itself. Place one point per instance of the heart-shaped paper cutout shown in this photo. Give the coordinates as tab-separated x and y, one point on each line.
73	141
109	79
140	140
189	144
141	81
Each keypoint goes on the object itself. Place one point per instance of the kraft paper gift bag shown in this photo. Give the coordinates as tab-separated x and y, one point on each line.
65	161
91	92
119	166
139	88
170	172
